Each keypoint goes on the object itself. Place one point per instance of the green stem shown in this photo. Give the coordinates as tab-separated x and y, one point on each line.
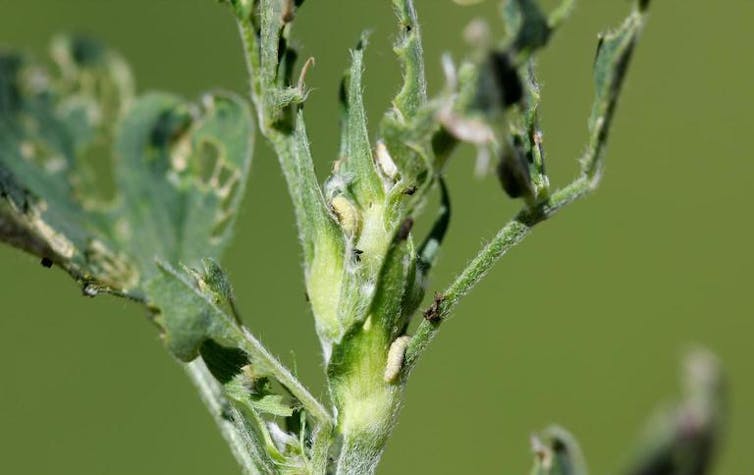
320	237
291	148
212	396
367	404
509	235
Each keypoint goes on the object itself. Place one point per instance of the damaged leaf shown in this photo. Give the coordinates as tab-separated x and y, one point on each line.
66	130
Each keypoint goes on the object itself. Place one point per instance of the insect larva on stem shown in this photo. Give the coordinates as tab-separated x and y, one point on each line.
395	358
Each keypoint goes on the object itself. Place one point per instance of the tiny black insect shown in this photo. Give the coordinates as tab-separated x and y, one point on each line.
46	262
357	254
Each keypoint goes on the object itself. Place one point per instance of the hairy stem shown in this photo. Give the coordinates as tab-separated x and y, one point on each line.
211	395
509	235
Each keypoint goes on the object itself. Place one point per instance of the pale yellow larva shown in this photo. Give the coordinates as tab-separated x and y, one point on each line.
348	215
395	358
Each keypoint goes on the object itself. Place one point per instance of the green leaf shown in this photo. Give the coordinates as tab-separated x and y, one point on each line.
528	27
194	325
526	24
273	404
614	53
356	165
188	317
48	124
408	47
393	283
180	168
258	396
407	128
556	452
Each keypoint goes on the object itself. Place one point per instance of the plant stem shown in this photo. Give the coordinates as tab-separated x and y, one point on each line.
211	395
509	235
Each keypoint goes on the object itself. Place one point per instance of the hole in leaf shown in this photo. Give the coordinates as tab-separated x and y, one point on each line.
221	225
207	161
224	176
93	179
229	195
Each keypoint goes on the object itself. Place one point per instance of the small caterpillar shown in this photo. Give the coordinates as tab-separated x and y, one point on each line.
348	215
395	358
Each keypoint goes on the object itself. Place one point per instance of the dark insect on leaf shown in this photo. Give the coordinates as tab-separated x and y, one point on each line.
357	254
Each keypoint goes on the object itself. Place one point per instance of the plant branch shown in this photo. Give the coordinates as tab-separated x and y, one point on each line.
509	235
288	139
614	53
176	287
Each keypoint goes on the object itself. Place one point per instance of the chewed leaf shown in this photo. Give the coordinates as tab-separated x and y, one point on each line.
181	170
44	132
66	131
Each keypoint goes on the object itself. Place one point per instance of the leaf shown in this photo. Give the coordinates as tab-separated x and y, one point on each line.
408	47
188	317
526	24
180	168
194	325
356	167
273	404
48	122
614	53
528	27
407	128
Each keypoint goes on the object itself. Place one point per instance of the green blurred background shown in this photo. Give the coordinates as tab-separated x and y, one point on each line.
582	325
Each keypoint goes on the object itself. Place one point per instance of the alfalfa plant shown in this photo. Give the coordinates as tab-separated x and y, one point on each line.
180	169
